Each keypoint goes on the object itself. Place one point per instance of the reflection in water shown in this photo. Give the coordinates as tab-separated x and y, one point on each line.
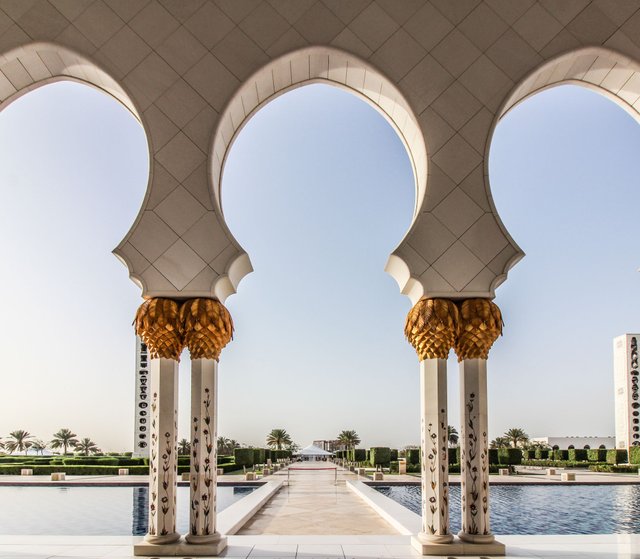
140	508
545	509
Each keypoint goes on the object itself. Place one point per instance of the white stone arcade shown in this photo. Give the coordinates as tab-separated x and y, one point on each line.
443	73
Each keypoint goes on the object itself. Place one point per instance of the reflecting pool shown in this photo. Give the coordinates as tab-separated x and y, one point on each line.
545	509
92	511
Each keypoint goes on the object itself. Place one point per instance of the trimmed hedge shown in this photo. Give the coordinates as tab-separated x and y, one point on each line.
359	455
616	469
454	455
559	455
542	454
528	454
493	456
393	455
634	455
72	470
413	456
617	456
259	456
555	463
243	457
379	456
578	454
597	455
87	461
509	456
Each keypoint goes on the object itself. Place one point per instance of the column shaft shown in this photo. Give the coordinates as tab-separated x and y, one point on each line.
204	411
435	467
163	452
474	452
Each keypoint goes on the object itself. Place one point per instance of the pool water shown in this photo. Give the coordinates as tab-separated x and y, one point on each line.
92	511
544	509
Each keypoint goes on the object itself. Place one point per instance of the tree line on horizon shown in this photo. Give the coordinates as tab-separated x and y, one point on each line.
23	441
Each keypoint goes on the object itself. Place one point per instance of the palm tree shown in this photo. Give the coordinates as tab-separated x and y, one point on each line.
19	440
184	447
278	438
499	442
86	446
232	444
452	436
350	439
39	446
64	438
516	436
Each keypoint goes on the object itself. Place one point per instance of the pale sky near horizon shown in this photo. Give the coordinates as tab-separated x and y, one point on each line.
318	190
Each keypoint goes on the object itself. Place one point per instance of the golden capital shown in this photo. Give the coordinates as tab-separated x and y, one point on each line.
207	327
480	325
157	322
432	327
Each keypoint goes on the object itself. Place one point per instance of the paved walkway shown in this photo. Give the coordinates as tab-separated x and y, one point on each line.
312	503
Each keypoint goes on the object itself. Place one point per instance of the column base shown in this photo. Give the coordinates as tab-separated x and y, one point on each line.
476	538
180	549
458	548
162	540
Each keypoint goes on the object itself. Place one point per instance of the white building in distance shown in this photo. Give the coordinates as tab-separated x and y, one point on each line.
564	443
627	405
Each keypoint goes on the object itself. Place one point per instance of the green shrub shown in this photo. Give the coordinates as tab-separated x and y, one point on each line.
184	460
493	456
360	455
413	456
72	470
542	454
229	467
554	463
90	461
243	457
559	455
280	455
393	455
393	467
634	455
128	461
454	455
225	460
259	456
529	454
615	468
509	456
597	455
617	456
578	454
413	468
379	456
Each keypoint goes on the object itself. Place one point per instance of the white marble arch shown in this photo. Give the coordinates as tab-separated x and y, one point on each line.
610	73
33	65
318	64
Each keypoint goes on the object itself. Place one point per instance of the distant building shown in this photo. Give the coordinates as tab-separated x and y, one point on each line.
564	443
627	405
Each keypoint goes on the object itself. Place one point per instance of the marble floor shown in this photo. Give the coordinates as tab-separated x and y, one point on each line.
311	547
316	501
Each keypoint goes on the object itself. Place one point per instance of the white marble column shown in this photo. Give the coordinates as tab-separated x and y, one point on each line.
204	411
474	452
163	452
435	466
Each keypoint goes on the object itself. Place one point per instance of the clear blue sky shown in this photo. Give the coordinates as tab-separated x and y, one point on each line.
318	190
